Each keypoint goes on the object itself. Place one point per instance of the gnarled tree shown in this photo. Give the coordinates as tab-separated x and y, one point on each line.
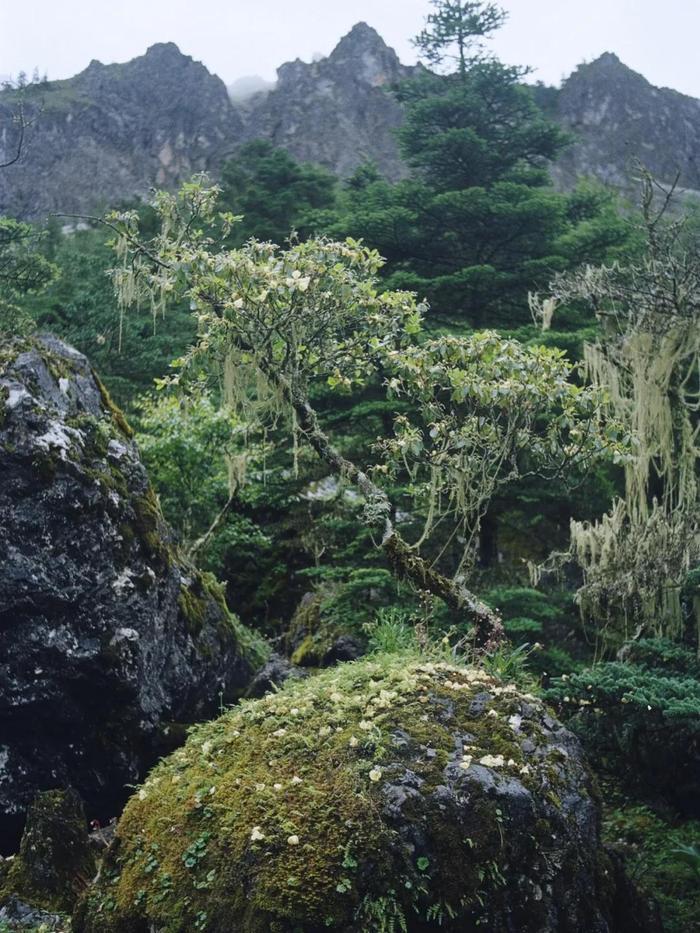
274	322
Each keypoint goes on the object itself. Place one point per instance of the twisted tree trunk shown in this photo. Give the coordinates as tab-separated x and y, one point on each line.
405	563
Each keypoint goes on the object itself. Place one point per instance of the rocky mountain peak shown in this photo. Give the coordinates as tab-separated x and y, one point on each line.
162	116
165	51
605	74
618	117
337	111
364	52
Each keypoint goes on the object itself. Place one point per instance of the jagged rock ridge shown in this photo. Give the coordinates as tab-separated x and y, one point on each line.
159	118
336	111
113	131
617	118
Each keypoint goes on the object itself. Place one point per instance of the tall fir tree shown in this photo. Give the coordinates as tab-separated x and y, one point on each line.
478	224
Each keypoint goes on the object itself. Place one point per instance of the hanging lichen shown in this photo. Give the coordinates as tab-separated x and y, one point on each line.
636	558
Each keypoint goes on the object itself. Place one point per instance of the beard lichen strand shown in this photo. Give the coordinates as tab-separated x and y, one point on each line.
645	371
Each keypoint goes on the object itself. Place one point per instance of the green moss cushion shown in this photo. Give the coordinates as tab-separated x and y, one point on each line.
394	793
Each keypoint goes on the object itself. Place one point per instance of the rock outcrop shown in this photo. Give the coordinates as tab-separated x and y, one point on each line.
392	793
155	120
124	128
338	112
109	641
55	862
618	118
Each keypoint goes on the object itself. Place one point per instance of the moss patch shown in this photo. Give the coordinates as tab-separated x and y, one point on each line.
117	414
274	816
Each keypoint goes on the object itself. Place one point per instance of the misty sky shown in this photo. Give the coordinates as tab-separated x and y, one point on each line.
243	37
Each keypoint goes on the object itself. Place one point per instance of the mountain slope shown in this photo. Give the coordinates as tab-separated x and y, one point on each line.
618	117
336	111
113	131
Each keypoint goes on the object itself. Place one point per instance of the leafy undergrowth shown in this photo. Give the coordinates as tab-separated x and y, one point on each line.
662	856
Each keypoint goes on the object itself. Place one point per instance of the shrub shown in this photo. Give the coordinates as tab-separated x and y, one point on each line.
654	849
642	723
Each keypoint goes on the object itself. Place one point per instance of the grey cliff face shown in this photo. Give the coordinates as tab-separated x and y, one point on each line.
107	637
113	132
338	112
618	118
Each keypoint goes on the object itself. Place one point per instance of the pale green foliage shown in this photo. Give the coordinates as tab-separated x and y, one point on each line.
23	271
197	453
485	412
272	322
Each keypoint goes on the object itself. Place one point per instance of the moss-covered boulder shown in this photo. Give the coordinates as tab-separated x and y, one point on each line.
109	639
393	793
55	861
314	640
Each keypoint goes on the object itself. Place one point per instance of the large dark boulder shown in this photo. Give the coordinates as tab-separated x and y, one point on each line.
392	793
109	641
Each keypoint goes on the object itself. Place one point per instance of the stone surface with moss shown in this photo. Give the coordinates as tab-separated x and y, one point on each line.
55	861
392	793
110	638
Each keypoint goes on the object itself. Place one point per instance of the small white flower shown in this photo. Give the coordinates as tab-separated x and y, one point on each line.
375	775
365	724
353	741
292	840
324	730
294	711
296	780
206	748
466	762
257	835
278	733
492	713
260	787
143	795
277	786
492	761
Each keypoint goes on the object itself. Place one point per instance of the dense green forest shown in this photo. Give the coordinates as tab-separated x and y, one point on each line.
451	417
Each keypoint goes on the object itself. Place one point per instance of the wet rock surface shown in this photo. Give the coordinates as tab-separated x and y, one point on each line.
106	635
16	915
276	671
